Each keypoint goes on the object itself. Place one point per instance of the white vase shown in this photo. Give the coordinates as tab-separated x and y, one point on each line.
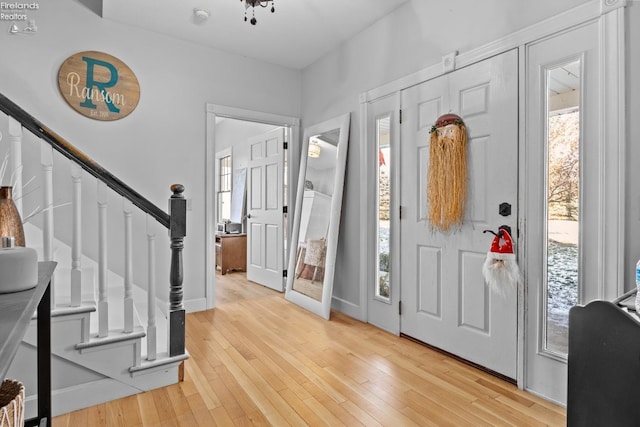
18	267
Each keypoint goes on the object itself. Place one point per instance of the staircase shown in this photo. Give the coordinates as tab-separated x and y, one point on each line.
113	333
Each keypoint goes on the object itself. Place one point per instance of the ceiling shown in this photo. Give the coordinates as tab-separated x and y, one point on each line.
565	78
295	36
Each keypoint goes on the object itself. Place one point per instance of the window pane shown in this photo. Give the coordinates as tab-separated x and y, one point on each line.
383	142
224	189
224	205
563	202
225	174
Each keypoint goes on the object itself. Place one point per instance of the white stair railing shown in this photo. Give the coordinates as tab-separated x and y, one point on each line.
15	161
76	241
103	302
151	290
127	209
46	161
174	221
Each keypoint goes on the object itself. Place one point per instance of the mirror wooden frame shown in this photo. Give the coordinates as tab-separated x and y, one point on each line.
323	307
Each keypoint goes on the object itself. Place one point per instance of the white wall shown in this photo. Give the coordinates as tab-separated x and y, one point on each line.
162	142
632	214
414	37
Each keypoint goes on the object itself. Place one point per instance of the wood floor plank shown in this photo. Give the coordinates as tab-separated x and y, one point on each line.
163	404
97	415
77	418
359	414
201	385
115	415
147	408
258	360
128	407
384	412
220	417
507	414
266	399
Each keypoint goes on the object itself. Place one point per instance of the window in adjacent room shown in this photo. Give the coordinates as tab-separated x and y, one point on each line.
224	188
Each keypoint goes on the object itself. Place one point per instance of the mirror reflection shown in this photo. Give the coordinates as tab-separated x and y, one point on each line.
314	214
317	215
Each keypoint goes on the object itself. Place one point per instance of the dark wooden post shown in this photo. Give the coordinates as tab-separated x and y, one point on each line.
177	232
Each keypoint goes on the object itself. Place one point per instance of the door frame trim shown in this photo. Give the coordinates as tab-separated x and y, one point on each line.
611	16
293	159
611	161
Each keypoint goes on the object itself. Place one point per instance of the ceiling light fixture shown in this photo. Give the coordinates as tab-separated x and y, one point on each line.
314	149
252	4
200	16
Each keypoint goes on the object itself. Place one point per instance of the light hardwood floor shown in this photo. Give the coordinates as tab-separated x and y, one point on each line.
259	360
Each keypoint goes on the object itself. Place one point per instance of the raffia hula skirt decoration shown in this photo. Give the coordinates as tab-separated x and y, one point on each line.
11	404
447	175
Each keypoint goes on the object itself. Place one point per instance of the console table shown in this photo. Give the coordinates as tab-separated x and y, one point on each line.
16	311
231	252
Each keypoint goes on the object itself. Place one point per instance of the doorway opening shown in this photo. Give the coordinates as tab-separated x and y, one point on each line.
233	142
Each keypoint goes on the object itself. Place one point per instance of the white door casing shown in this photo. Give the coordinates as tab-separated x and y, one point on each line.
445	301
265	247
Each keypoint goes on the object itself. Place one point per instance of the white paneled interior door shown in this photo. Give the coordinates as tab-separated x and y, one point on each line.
265	237
445	301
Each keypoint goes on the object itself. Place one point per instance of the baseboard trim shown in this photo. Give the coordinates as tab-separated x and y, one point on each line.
347	307
81	396
197	304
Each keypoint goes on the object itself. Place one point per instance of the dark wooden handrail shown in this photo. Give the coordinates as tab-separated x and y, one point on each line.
66	149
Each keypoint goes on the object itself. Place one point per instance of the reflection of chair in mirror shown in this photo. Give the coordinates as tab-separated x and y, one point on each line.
315	253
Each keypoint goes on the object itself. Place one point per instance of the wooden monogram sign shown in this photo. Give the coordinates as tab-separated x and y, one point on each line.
98	85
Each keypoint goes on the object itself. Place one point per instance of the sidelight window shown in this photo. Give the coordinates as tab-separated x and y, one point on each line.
563	202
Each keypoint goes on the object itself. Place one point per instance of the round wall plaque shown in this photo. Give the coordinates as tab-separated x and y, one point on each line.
98	85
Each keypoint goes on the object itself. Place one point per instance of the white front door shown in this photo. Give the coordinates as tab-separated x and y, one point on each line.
565	151
265	238
445	301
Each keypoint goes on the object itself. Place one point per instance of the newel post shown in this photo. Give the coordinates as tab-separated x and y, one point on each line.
177	231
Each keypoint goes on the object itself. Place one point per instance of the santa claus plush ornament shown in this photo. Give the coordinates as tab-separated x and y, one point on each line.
500	268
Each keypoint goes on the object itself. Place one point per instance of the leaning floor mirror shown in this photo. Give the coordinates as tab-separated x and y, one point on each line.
314	239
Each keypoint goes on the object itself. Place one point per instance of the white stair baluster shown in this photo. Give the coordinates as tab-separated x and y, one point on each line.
151	290
127	209
76	245
46	160
15	162
103	304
